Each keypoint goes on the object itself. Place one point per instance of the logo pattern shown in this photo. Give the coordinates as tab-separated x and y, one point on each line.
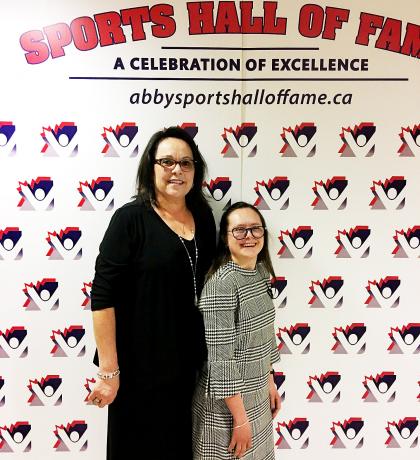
383	294
404	433
121	141
241	140
354	242
358	141
11	244
36	195
43	295
293	434
380	388
408	243
327	293
405	339
46	392
273	195
60	141
15	438
87	289
410	138
389	194
348	434
325	388
71	437
294	339
296	243
65	245
350	339
96	196
7	136
14	342
277	291
299	141
331	194
69	343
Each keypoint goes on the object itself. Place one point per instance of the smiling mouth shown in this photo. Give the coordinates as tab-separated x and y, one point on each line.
176	181
249	245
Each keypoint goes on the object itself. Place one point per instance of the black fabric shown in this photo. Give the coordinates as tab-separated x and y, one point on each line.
143	271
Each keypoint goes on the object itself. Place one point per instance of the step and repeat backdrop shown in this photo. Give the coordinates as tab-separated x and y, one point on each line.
310	111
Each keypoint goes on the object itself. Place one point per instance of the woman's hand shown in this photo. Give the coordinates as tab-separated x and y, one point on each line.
241	439
275	400
104	392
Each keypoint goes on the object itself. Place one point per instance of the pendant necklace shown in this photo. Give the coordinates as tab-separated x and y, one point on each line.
193	266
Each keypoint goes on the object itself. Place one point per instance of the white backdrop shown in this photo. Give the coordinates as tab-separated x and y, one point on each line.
336	176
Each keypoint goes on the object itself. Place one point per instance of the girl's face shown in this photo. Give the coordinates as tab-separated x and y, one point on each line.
245	251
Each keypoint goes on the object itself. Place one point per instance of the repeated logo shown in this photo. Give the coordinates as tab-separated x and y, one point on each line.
293	434
88	388
299	141
7	138
410	138
69	343
15	438
383	294
350	340
380	388
241	140
348	434
389	194
43	295
220	190
404	433
331	194
273	195
327	293
296	243
294	339
279	379
46	392
36	195
278	291
121	141
14	342
358	141
354	242
60	141
87	289
325	388
408	243
405	339
96	195
66	244
191	128
11	247
71	437
2	393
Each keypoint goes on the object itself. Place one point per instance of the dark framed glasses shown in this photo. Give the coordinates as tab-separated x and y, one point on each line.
185	164
239	233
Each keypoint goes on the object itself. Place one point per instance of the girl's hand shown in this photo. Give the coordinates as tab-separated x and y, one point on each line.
241	439
275	400
104	392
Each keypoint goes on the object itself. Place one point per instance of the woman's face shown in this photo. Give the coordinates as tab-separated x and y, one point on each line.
173	184
244	251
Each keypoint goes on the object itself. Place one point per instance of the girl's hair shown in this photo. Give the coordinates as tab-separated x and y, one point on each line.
222	251
146	176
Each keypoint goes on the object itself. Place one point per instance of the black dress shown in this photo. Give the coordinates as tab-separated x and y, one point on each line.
144	272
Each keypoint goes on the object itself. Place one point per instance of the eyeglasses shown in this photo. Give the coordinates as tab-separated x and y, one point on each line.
239	233
169	163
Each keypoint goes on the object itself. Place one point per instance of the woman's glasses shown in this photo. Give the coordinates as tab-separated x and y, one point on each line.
239	233
169	163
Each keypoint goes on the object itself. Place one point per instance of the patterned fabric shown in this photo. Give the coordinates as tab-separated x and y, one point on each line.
239	321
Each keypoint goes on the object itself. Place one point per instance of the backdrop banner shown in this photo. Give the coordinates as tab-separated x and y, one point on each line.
309	110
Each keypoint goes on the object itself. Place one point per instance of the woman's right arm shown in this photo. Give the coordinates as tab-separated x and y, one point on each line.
104	330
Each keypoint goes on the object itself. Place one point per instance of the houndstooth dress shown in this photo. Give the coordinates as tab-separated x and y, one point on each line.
239	321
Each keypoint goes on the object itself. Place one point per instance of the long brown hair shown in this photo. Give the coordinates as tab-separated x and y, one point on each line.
222	251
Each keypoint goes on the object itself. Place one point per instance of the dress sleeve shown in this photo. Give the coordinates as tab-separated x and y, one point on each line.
115	254
218	305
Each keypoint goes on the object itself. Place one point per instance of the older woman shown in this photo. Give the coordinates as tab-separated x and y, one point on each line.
236	397
148	330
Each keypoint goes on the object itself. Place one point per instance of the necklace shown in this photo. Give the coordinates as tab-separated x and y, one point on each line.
193	266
